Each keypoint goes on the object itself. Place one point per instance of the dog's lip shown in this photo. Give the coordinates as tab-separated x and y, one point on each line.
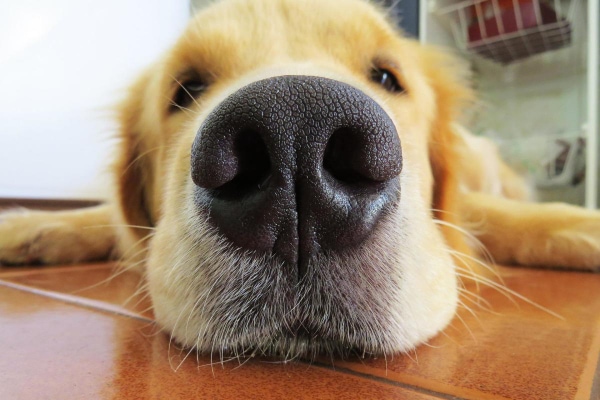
307	345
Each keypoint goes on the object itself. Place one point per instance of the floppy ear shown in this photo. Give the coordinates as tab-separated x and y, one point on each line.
133	169
448	77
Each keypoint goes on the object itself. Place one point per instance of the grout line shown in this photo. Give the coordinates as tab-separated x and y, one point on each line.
380	379
95	305
12	272
462	392
589	380
595	391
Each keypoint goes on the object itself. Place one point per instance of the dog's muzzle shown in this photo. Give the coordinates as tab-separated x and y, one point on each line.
296	166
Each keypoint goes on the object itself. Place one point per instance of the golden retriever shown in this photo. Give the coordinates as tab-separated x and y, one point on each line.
293	177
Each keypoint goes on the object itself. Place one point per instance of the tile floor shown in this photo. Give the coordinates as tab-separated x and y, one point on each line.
76	333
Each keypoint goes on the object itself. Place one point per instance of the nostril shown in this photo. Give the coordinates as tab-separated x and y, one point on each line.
253	167
344	158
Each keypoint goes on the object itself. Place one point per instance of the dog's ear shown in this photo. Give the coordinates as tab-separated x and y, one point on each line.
449	79
133	169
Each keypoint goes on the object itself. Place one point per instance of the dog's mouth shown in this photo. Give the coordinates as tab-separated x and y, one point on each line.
301	340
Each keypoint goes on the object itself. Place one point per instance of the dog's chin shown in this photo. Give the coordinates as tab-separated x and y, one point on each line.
300	344
375	299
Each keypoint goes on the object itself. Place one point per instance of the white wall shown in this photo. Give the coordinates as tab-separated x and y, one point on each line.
63	64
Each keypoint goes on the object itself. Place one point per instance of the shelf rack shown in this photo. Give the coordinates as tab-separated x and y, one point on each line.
507	31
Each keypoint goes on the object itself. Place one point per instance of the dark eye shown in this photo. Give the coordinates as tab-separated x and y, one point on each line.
186	93
386	79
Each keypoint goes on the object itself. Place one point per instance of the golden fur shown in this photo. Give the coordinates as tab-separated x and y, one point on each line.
448	188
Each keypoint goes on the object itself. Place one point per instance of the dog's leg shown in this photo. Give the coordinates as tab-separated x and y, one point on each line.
535	234
56	237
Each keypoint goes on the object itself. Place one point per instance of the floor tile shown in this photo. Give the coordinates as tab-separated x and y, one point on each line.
55	350
102	282
517	352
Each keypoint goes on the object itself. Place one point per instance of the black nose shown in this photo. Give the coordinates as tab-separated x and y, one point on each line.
296	166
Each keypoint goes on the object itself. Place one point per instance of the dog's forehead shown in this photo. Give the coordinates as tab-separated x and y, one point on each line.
243	32
294	17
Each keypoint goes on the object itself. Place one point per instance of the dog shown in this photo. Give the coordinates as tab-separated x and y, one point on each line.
293	178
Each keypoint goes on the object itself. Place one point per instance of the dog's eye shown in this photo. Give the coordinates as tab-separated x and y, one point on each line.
386	79
186	93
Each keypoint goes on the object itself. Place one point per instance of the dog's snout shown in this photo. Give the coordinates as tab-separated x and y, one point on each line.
296	166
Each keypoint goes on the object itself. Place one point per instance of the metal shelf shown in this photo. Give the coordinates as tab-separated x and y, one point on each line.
507	31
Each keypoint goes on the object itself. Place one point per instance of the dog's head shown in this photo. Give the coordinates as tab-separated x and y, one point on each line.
293	156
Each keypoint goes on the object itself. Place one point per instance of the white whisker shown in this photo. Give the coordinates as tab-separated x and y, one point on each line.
508	293
463	322
188	93
139	157
488	267
150	228
470	311
477	300
474	240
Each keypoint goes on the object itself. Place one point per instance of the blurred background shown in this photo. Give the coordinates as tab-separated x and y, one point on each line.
535	64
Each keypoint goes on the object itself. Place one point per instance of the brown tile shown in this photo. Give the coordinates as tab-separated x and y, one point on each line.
101	282
54	350
518	352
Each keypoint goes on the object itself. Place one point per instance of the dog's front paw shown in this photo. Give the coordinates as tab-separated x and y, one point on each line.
569	237
16	237
582	239
552	235
27	237
44	237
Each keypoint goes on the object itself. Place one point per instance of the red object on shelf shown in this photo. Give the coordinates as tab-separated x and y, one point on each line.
510	30
484	27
